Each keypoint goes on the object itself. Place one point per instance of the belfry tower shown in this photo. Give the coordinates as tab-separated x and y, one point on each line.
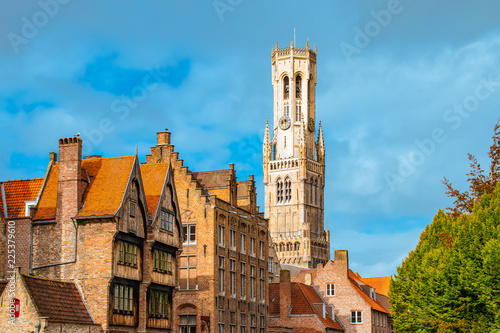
294	161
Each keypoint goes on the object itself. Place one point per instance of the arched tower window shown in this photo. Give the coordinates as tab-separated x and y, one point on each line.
298	87
288	190
279	191
286	87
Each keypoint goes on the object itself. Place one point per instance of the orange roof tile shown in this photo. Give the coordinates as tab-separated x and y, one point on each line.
16	193
103	196
381	284
153	178
375	305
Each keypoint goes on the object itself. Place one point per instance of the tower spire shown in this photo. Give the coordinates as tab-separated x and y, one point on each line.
321	145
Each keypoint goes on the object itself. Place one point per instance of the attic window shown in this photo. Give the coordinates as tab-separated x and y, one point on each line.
167	220
29	204
132	208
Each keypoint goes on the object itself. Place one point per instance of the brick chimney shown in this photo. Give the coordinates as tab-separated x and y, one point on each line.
285	294
70	186
341	262
163	137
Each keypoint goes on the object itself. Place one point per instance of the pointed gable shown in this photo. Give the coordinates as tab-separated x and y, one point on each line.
381	284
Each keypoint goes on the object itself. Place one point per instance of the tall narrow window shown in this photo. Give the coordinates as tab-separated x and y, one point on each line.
232	277
242	243
286	87
298	111
288	190
261	285
298	84
252	246
242	281
221	235
232	239
221	275
252	282
279	191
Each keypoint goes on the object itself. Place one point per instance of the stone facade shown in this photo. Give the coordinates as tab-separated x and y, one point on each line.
294	162
225	251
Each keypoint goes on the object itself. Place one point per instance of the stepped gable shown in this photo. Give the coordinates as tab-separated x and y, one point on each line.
15	193
107	180
58	301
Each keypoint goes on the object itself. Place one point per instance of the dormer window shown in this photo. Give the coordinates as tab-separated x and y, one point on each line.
29	204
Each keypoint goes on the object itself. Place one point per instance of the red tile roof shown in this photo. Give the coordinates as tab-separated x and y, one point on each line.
303	298
153	178
375	305
59	301
103	196
381	284
16	193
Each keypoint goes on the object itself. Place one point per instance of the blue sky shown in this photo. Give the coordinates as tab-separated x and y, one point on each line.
405	90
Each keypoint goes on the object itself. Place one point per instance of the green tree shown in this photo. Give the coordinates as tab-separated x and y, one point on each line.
451	281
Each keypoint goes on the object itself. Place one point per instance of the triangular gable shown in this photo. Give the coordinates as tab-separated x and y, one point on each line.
157	178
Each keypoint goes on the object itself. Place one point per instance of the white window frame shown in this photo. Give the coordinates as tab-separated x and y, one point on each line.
358	317
330	289
189	233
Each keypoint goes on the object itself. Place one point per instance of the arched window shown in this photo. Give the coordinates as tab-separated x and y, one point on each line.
288	190
286	87
298	86
279	191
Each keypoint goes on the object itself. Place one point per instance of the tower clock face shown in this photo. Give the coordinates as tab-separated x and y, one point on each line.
310	124
285	122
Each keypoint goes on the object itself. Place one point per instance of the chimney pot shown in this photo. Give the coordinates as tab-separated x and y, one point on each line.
163	137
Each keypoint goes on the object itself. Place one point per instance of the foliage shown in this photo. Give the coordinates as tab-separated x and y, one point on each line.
451	281
479	182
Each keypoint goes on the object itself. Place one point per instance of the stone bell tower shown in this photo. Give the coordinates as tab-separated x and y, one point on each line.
294	161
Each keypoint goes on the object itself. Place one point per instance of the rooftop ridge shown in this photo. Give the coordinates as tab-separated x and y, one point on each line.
20	180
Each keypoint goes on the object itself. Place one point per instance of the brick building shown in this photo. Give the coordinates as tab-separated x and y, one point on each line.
45	305
113	229
358	305
297	307
224	266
